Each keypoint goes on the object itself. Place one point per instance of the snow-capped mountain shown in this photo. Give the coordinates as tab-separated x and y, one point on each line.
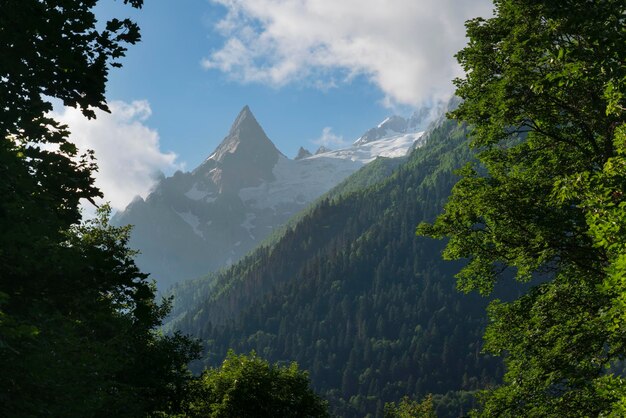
197	222
396	125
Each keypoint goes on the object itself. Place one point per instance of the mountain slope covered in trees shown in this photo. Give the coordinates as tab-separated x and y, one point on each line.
197	222
191	292
354	297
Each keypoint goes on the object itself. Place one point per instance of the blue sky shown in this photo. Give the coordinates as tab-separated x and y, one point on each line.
312	71
193	107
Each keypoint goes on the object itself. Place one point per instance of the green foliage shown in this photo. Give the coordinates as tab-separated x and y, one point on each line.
92	348
544	93
191	292
372	173
77	318
455	403
355	298
248	386
411	409
51	49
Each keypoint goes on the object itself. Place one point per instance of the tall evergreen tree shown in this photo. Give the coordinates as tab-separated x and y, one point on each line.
544	92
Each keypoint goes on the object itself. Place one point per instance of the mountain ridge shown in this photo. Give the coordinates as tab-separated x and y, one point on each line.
200	221
354	297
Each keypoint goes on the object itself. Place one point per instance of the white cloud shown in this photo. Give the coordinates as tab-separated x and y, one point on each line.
126	149
330	139
406	47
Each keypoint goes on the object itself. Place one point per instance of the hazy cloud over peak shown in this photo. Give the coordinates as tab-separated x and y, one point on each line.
405	47
126	149
329	139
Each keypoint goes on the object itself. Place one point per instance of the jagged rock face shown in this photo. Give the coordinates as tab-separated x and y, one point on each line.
245	158
193	223
322	150
197	222
397	125
302	153
393	125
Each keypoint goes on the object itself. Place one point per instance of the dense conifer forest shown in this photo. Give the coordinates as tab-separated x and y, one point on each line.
347	290
354	297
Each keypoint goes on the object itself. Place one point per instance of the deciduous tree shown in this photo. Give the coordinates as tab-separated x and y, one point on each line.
248	386
77	318
544	92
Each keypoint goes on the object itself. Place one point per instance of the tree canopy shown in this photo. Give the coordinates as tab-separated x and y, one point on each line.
248	386
78	320
411	409
544	94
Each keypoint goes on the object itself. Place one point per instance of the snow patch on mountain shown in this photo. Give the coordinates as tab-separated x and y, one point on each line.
397	125
387	119
391	147
192	220
299	181
196	194
248	225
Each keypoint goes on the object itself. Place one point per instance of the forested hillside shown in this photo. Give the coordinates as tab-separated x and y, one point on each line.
191	292
198	222
346	289
355	298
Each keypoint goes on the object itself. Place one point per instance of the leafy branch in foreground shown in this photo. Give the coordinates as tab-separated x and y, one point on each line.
544	92
77	318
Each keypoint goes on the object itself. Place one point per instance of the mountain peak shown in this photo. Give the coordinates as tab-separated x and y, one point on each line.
244	158
303	153
392	125
322	149
245	118
245	136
